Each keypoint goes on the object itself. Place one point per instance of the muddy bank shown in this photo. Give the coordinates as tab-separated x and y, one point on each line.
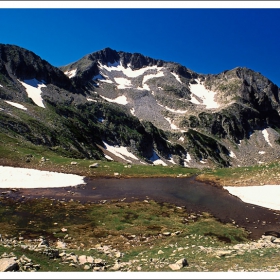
189	193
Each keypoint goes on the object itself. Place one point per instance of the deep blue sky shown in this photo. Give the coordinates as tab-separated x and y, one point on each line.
206	40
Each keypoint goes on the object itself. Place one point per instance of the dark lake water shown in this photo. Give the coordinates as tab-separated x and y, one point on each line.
189	193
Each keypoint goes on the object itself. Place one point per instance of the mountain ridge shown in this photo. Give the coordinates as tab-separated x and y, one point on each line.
161	112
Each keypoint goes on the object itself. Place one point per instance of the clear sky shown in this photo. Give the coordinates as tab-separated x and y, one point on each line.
206	40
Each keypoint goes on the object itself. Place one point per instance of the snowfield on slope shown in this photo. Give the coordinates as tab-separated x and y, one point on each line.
121	152
33	89
17	105
207	97
266	136
71	73
117	66
15	177
119	100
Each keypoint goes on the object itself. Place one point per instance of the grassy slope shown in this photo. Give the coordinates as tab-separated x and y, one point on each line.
15	152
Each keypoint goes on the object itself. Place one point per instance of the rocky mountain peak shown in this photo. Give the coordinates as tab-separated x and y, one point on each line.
105	56
23	64
160	111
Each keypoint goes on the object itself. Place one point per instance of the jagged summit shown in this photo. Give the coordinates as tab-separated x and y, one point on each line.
109	102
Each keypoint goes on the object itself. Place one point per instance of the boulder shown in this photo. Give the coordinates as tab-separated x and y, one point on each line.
83	259
175	266
182	262
8	264
99	262
179	264
276	240
60	245
116	267
44	243
94	165
52	253
223	253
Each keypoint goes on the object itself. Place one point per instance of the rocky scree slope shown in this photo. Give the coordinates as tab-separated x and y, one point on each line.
151	111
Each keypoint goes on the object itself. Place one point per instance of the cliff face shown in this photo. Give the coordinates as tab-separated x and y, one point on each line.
158	110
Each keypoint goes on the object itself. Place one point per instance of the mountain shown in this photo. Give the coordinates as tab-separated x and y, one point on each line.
130	107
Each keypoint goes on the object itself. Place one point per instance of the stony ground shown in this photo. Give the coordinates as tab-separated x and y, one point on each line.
103	257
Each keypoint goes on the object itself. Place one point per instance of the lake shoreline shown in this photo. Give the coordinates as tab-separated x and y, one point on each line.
191	194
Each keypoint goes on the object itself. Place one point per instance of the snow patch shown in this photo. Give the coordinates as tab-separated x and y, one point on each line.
173	111
232	154
173	126
120	99
90	99
132	111
33	89
266	136
187	160
71	73
151	76
261	152
182	139
123	83
108	157
156	160
106	81
14	177
117	66
1	85
177	77
171	160
146	87
121	152
200	92
266	196
128	72
16	105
